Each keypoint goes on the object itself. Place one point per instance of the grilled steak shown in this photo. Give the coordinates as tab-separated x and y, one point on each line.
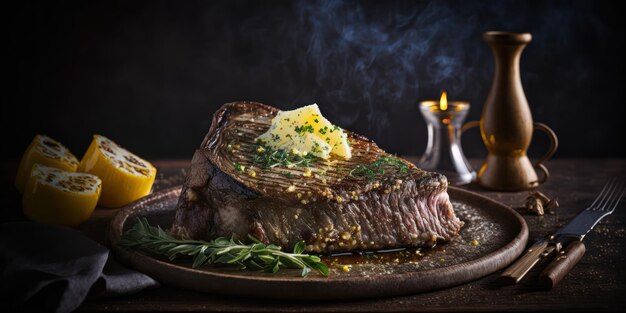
326	204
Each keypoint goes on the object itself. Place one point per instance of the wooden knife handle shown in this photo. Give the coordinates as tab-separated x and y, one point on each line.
516	272
561	265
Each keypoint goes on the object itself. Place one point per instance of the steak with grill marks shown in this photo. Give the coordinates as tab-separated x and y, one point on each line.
331	209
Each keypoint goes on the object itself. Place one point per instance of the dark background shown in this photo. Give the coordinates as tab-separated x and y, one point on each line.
149	74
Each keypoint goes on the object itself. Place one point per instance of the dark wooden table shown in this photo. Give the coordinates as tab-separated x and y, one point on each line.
597	283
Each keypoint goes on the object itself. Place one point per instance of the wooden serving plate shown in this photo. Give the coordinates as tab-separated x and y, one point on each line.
493	236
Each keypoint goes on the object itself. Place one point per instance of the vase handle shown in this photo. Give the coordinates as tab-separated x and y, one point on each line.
554	144
469	125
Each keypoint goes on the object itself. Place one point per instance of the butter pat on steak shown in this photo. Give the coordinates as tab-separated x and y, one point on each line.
325	204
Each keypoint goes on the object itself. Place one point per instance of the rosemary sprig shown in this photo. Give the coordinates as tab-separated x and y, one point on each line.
268	157
255	256
377	168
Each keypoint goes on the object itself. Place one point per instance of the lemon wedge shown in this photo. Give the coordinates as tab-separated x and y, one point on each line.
125	176
46	151
55	196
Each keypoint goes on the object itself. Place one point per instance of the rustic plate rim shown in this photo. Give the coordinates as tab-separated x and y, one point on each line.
513	248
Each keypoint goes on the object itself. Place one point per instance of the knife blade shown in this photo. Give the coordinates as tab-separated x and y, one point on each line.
571	234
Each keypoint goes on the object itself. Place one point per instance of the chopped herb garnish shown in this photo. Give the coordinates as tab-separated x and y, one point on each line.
316	147
270	158
239	167
377	168
324	130
316	120
304	129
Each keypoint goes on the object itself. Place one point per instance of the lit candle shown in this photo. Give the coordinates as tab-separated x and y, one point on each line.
443	151
443	102
444	110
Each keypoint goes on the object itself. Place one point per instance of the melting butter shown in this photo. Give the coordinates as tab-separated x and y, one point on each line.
305	130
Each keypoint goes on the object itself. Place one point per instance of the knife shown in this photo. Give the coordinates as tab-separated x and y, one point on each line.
565	245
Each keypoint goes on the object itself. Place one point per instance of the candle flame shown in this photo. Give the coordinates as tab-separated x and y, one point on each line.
443	102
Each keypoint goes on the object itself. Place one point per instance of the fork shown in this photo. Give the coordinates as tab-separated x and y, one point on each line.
604	204
571	235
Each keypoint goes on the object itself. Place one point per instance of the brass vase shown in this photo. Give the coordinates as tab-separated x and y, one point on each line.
506	124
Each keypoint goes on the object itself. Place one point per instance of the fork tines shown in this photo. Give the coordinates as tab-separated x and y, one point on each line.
609	197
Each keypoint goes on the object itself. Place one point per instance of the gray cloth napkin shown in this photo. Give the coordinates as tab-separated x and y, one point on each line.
53	268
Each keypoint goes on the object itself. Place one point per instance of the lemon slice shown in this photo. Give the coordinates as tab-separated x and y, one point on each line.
46	151
55	196
125	176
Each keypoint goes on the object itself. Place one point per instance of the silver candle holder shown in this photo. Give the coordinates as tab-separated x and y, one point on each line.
443	151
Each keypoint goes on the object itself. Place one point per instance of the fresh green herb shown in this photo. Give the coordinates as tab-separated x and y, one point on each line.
316	120
323	130
316	147
377	168
255	256
239	167
270	158
303	129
